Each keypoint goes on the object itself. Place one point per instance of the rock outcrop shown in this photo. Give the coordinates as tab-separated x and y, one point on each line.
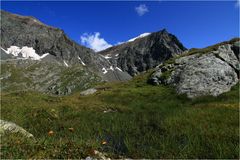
21	31
9	127
210	73
144	53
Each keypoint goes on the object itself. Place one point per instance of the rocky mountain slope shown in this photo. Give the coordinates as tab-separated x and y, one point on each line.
28	43
47	77
145	52
25	34
38	57
130	120
199	72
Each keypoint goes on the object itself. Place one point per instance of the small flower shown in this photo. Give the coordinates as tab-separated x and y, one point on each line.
50	133
71	129
95	152
104	142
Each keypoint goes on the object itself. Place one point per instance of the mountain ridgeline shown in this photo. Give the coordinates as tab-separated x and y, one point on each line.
35	56
28	43
145	52
27	31
147	98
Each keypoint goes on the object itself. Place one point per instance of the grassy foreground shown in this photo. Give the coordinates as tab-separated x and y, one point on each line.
132	120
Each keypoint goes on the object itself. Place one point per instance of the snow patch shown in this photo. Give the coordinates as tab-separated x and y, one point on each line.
111	68
44	55
81	61
118	69
29	52
14	50
65	63
3	49
104	70
107	56
140	36
24	52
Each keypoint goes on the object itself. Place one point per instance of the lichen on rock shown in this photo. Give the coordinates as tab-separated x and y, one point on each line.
212	73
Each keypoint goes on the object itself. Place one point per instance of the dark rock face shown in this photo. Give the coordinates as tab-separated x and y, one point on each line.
27	31
211	73
4	55
22	31
144	53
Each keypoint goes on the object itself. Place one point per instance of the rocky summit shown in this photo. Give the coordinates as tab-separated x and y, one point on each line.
145	52
210	71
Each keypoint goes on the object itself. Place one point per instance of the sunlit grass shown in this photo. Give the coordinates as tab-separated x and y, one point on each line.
130	119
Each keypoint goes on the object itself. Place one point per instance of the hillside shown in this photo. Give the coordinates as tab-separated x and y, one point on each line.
130	120
27	37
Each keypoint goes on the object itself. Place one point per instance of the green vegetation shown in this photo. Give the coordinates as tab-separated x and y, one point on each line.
78	77
45	77
165	75
136	120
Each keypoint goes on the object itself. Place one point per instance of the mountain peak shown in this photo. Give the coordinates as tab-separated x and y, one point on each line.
144	51
30	20
164	30
140	36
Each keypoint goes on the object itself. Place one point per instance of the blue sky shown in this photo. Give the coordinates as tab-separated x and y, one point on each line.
102	24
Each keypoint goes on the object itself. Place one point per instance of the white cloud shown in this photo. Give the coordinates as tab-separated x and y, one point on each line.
141	9
94	41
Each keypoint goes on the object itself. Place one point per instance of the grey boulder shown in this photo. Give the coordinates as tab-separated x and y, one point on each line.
196	75
88	92
9	127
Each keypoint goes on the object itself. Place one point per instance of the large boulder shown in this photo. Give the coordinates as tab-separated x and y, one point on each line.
211	73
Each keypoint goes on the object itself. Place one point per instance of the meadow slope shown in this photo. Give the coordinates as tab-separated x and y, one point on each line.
129	119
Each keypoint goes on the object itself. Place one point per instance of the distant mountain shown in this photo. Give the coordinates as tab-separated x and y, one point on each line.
144	52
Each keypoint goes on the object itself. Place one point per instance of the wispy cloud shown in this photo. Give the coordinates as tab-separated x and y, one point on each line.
94	41
141	9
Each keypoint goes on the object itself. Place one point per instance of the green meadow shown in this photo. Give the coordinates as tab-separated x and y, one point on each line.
123	120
